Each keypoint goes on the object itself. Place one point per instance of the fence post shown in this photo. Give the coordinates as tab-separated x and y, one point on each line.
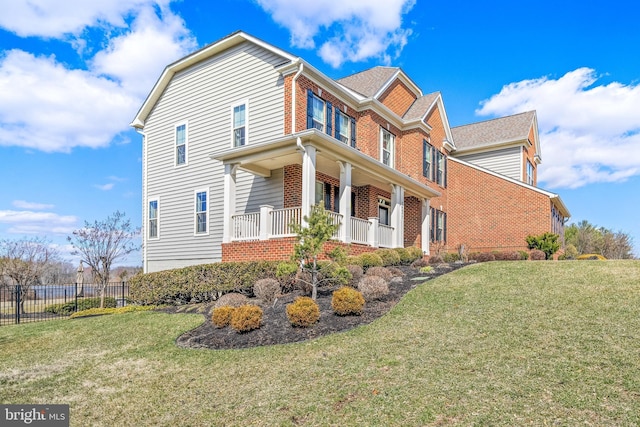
18	303
123	301
75	308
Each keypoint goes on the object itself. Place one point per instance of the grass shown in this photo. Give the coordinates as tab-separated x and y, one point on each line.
502	343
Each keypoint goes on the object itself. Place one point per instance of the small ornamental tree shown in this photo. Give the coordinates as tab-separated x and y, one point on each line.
311	239
546	242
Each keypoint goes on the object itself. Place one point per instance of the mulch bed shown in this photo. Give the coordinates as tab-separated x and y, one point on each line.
276	328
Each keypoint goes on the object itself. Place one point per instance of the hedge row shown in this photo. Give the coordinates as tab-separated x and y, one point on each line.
198	283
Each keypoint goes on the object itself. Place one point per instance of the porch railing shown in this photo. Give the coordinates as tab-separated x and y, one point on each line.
281	220
246	226
385	236
336	219
360	230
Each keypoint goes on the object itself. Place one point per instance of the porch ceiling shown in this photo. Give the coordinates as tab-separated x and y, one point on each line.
262	158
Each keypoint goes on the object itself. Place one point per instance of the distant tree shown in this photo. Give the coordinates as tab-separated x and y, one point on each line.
589	239
102	243
546	242
25	262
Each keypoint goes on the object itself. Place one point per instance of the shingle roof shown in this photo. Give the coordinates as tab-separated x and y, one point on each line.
420	106
369	82
495	131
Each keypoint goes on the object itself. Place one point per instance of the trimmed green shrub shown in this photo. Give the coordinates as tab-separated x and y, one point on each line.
373	287
266	289
369	259
537	255
286	275
405	256
426	269
570	252
414	253
546	242
246	318
221	316
388	256
380	272
67	308
303	312
346	301
450	257
231	299
198	283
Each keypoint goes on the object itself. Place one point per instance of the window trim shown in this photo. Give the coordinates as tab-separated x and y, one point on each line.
392	147
530	177
348	133
436	217
196	212
245	103
427	148
385	204
186	143
156	219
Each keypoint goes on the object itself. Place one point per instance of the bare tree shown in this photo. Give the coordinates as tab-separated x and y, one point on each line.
25	262
102	243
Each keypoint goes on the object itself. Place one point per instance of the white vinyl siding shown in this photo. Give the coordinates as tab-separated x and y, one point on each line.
507	161
203	95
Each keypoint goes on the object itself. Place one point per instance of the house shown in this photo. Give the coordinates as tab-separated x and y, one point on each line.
241	138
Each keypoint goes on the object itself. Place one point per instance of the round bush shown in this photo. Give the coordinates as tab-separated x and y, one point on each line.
537	255
346	301
405	256
484	257
369	259
388	256
303	312
221	316
435	259
396	272
419	263
286	275
246	318
232	300
266	289
356	274
414	253
380	272
373	287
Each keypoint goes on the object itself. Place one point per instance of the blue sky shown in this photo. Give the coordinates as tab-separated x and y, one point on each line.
73	74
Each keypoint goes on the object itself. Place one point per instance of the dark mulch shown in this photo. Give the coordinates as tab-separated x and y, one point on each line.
276	328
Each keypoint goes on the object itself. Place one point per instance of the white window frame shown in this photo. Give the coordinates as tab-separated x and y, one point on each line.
244	102
324	114
384	203
186	143
344	135
156	219
530	173
392	143
196	212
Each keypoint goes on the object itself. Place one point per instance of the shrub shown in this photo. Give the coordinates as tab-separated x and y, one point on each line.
451	257
435	259
266	289
356	274
405	256
524	255
426	269
396	272
414	253
221	316
506	255
546	242
369	259
334	274
373	287
67	308
198	283
286	275
419	263
380	272
346	301
484	257
246	318
570	252
388	256
591	257
303	312
537	255
232	300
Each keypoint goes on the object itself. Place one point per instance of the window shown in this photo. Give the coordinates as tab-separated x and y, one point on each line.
343	127
239	126
530	173
441	172
383	211
181	144
319	192
386	147
319	113
201	212
427	160
438	226
153	219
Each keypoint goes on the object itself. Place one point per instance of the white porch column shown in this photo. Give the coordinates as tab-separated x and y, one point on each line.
265	221
426	224
345	201
372	238
229	207
397	215
308	180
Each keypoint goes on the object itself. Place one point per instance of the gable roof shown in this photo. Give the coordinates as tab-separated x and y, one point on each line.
421	106
495	132
373	82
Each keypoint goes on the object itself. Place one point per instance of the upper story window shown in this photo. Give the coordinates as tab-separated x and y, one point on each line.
441	171
181	144
427	160
201	214
530	173
239	124
343	127
153	219
387	144
320	115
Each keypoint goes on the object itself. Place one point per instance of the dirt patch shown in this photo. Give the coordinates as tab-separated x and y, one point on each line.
276	328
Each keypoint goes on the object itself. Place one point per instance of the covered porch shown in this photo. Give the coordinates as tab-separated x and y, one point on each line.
307	157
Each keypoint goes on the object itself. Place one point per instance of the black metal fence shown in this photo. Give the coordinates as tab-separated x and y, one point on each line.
20	304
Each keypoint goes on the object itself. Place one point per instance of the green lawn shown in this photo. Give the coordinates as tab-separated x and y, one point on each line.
512	343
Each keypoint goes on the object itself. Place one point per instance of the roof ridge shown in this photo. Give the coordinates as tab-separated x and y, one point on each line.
495	118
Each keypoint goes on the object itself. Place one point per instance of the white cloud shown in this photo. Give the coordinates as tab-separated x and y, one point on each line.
29	222
50	107
589	133
22	204
105	187
356	29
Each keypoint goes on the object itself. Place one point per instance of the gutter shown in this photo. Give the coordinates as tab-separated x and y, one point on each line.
293	97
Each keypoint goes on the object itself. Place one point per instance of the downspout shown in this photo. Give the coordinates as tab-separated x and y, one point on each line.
144	198
293	98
